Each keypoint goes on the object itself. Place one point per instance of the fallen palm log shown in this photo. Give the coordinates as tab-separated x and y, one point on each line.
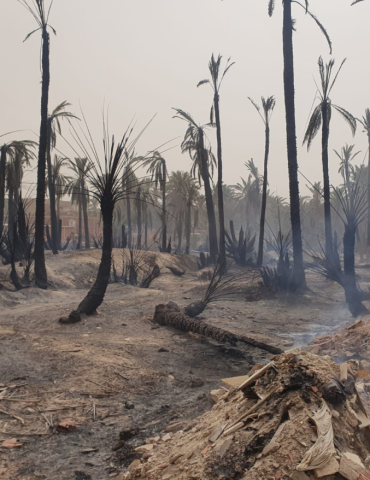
170	315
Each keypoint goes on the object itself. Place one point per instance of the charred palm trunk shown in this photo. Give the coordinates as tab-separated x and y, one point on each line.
95	297
39	253
164	226
325	169
22	228
188	228
170	315
85	214
2	185
179	233
264	198
79	243
289	93
139	215
221	212
12	213
213	249
146	236
129	223
353	296
51	188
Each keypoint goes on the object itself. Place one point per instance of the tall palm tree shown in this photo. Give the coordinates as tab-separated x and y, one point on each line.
346	168
54	128
321	117
183	194
158	169
268	106
41	13
19	149
289	94
215	82
77	188
60	180
203	162
365	122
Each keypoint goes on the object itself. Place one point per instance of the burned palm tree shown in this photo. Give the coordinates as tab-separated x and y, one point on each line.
321	118
268	106
365	122
41	13
289	94
354	210
105	178
54	127
216	82
203	159
157	167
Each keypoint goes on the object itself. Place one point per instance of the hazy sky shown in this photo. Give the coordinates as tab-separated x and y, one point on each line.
144	57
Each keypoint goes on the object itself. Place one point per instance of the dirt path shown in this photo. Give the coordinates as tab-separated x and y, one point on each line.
89	374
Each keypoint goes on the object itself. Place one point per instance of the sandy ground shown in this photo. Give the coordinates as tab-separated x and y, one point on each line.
88	374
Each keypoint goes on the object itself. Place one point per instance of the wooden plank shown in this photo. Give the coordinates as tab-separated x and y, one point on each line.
235	381
253	378
343	372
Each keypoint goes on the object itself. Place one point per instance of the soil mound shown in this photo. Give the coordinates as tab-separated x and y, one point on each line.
300	417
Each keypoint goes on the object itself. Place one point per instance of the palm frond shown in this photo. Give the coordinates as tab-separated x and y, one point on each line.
202	82
271	7
348	117
317	21
313	126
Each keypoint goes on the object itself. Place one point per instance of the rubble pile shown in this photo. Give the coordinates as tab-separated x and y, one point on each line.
351	343
300	417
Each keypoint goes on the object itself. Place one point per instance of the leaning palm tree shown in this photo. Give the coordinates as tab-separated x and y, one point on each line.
41	13
321	117
289	93
215	82
79	192
54	128
203	162
268	106
365	122
157	168
20	149
105	178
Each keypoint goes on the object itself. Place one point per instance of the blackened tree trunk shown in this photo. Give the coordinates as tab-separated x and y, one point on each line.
12	213
129	223
164	225
2	185
264	198
51	187
325	169
79	243
95	297
289	93
85	214
353	296
213	249
221	212
179	234
60	229
146	235
22	228
188	228
139	217
39	252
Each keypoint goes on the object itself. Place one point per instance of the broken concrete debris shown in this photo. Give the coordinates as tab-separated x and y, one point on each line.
274	424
